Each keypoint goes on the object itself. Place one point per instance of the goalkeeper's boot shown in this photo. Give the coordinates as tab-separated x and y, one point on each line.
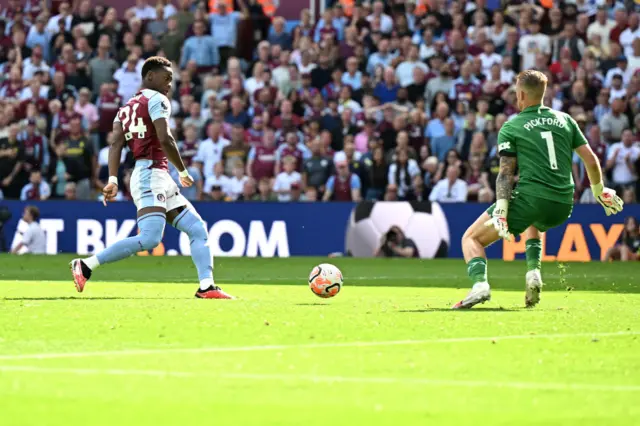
81	274
480	293
533	287
213	292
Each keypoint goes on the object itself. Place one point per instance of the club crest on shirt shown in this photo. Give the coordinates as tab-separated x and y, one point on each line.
161	198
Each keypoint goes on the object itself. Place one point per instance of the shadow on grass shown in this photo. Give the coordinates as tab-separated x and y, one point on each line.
93	298
312	304
414	311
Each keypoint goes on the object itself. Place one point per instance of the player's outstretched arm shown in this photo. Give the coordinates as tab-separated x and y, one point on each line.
504	187
607	197
170	148
110	190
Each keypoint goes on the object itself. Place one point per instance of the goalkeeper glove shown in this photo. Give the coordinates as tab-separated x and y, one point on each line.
607	198
499	220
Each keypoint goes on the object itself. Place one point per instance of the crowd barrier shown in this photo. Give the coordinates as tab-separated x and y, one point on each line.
313	229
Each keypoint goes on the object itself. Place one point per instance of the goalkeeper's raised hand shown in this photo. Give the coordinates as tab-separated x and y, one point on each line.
607	198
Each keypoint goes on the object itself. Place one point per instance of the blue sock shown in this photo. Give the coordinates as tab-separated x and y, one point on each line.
190	222
151	228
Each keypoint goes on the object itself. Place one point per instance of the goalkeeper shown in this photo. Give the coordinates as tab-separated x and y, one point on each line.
540	141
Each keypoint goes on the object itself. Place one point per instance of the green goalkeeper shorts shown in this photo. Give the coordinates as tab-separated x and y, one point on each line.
527	210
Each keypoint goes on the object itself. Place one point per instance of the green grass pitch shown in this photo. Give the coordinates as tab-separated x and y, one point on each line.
137	349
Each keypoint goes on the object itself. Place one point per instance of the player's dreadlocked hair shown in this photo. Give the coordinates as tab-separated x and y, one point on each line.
154	63
533	82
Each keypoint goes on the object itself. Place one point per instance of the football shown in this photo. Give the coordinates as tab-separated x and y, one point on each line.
422	221
325	280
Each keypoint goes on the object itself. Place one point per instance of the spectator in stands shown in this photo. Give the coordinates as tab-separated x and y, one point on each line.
613	123
216	179
237	180
249	192
621	159
36	189
79	158
265	192
33	238
201	49
628	247
224	30
451	189
317	168
401	173
128	78
440	145
286	178
236	150
343	185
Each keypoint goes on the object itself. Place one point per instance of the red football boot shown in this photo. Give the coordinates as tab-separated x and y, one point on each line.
213	292
81	274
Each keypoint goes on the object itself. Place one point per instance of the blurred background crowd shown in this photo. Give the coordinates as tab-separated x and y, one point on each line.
382	100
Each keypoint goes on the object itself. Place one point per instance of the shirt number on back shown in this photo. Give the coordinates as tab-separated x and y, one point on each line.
135	124
548	137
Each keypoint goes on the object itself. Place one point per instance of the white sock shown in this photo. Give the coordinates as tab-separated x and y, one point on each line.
92	262
481	286
206	283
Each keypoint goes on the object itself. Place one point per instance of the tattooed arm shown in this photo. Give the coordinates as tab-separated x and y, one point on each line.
504	181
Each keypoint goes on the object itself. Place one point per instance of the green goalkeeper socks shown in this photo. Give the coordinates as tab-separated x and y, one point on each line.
533	252
477	270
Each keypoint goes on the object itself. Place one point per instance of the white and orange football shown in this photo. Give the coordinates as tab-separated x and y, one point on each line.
325	280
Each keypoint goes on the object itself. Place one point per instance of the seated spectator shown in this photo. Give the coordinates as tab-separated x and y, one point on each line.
264	191
237	180
285	179
37	189
34	238
451	189
217	194
344	185
310	194
249	192
628	247
218	178
391	192
70	193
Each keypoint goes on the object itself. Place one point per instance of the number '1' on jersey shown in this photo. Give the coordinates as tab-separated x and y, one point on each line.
136	119
543	141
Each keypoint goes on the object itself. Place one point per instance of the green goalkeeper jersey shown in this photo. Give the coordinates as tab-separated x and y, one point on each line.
543	141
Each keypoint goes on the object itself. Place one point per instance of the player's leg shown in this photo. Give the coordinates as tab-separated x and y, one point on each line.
183	216
533	253
548	214
475	239
151	223
150	198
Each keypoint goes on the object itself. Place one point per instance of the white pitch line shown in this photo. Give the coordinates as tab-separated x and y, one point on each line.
324	379
222	349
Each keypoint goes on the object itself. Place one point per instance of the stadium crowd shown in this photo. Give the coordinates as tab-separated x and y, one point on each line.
394	100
